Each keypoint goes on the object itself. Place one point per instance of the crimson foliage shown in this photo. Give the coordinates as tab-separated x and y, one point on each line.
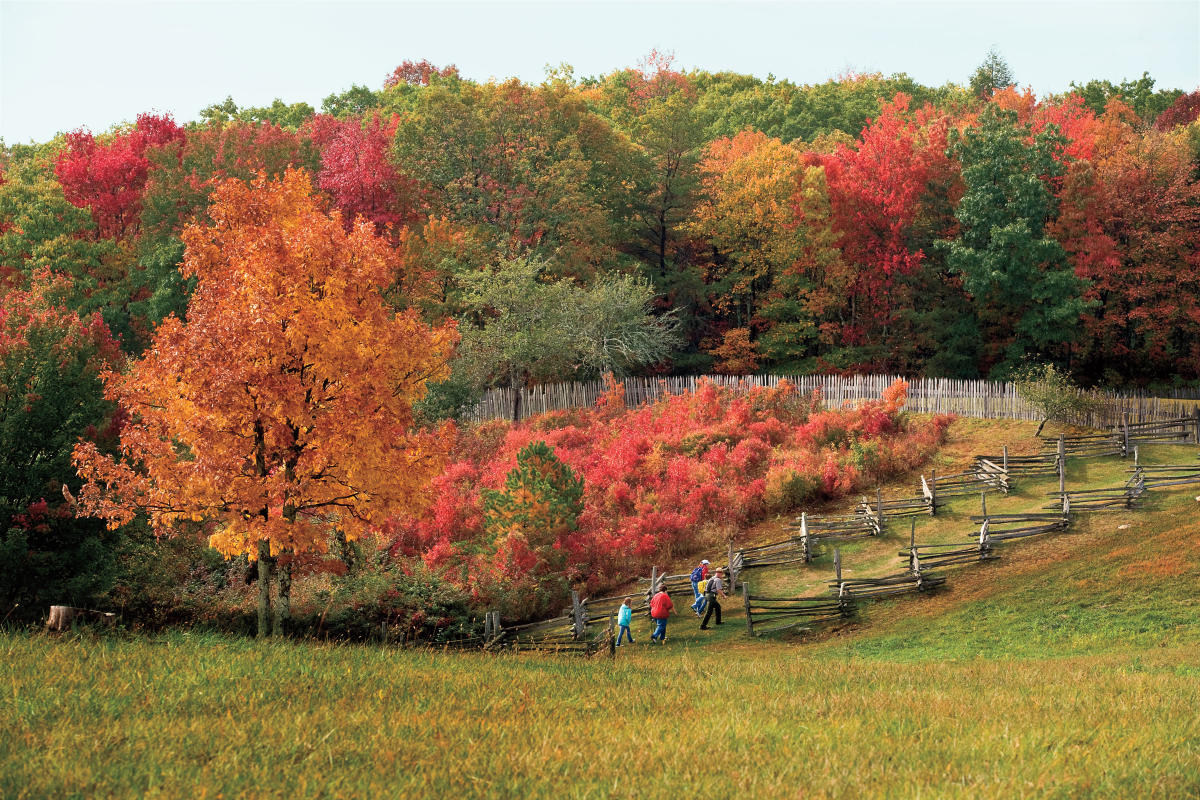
109	177
658	480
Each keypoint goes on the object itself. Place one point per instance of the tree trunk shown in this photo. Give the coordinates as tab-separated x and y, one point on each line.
1041	425
264	588
345	551
283	600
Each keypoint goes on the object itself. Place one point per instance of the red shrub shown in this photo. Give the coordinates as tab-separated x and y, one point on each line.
655	476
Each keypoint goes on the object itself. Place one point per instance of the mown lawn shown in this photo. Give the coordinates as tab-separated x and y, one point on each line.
1068	668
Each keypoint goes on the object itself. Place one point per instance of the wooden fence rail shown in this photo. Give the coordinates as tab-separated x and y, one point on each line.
776	614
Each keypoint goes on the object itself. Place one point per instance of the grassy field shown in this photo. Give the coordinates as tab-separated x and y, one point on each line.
1070	667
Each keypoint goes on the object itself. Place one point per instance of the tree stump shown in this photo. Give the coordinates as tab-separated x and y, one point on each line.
63	617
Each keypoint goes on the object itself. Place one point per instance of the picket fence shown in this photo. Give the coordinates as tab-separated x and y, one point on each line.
968	398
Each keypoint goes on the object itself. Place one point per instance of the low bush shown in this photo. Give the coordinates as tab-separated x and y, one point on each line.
657	480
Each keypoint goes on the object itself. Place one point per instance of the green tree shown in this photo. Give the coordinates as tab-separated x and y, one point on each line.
991	75
655	105
847	104
286	115
353	102
50	395
807	304
541	500
1138	94
528	521
1051	391
730	103
41	230
1027	296
522	329
530	169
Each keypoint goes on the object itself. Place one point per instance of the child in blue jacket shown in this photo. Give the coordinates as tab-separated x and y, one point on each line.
624	617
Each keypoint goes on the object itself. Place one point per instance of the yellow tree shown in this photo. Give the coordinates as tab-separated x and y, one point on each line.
279	413
748	217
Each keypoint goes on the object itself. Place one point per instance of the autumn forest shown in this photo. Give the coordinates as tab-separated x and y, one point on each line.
261	328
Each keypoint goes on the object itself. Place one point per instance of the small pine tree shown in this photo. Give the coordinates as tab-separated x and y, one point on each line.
541	500
528	521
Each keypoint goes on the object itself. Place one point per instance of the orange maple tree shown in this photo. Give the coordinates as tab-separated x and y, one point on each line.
279	414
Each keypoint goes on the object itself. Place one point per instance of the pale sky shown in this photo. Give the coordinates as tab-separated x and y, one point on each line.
96	63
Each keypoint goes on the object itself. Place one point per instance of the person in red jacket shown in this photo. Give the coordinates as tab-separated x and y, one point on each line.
661	607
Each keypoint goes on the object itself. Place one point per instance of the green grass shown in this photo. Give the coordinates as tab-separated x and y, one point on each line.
1067	668
211	717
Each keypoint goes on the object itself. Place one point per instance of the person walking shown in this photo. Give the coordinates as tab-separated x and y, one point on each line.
661	607
712	593
624	617
698	574
701	599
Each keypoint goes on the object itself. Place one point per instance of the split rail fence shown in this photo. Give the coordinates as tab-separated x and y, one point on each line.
766	614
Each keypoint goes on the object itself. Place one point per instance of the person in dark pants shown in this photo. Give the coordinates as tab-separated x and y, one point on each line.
714	590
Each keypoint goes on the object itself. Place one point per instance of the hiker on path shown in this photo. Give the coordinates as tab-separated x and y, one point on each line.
712	592
698	574
624	617
661	607
702	600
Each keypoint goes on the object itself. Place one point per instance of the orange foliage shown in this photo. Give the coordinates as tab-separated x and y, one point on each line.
736	354
281	409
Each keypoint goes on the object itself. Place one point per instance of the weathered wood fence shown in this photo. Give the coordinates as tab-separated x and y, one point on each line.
1123	438
968	398
765	614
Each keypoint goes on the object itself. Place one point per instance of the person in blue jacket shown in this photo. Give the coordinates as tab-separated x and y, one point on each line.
624	617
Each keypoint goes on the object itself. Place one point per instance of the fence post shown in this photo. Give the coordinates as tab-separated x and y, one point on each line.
914	562
653	586
879	506
1006	461
746	603
487	625
804	537
837	568
732	574
933	492
1135	455
612	640
983	503
1196	424
578	623
1062	465
1125	434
